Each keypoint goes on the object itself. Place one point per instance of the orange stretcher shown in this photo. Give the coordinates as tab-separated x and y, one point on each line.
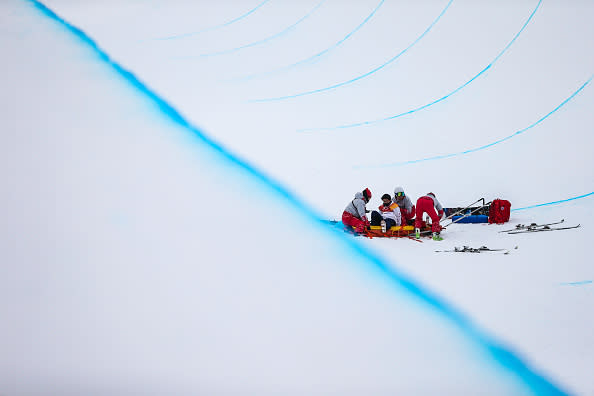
403	231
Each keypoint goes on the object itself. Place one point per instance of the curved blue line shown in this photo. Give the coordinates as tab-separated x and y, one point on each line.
506	358
554	202
443	97
363	75
443	156
286	30
178	36
318	55
578	283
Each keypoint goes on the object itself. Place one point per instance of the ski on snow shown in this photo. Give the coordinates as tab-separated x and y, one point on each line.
520	227
467	249
546	228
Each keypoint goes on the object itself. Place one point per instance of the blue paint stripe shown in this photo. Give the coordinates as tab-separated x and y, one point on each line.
363	75
472	150
536	382
441	99
316	56
554	202
255	43
178	36
579	283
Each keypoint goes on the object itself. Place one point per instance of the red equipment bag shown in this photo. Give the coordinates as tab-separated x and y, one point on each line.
499	211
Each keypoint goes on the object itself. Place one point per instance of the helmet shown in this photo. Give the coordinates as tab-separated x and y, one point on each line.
367	194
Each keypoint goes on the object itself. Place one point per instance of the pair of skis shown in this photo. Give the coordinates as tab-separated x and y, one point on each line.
523	228
467	249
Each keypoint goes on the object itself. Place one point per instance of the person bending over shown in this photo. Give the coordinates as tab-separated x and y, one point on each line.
428	204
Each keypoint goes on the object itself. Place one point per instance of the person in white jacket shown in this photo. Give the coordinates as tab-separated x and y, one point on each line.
388	211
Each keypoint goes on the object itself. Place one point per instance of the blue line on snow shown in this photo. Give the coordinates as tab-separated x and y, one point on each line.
443	156
316	56
363	75
357	124
286	30
580	283
537	383
554	202
214	27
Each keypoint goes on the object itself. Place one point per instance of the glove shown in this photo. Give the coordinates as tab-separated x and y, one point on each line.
365	221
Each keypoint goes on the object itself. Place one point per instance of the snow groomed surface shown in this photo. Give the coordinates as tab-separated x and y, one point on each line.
504	357
317	56
239	18
354	79
501	355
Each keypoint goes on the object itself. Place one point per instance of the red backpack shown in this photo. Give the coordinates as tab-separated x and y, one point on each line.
499	211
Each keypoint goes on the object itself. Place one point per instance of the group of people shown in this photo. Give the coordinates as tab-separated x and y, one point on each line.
394	211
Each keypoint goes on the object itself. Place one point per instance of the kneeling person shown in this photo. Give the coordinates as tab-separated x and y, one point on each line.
354	214
388	212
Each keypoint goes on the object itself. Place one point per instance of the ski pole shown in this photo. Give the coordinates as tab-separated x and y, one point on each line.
462	210
466	215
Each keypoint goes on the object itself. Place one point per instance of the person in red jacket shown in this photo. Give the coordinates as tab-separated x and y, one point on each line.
355	212
428	204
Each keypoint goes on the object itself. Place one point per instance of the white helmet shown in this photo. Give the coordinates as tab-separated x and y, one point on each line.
399	192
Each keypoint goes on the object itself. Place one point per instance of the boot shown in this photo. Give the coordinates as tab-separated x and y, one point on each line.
437	237
417	233
383	224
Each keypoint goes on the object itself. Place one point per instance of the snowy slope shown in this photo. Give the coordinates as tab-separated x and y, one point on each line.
109	201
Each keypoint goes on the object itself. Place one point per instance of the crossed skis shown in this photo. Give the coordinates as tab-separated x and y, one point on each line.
520	228
467	249
523	228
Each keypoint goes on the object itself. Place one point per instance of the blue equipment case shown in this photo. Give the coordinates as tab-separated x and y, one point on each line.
471	219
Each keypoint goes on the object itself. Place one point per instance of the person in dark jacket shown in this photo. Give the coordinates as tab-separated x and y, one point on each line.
355	212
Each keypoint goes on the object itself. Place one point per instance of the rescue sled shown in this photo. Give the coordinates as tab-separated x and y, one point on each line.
402	231
394	232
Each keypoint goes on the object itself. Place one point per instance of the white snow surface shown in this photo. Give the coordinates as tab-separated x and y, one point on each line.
135	258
